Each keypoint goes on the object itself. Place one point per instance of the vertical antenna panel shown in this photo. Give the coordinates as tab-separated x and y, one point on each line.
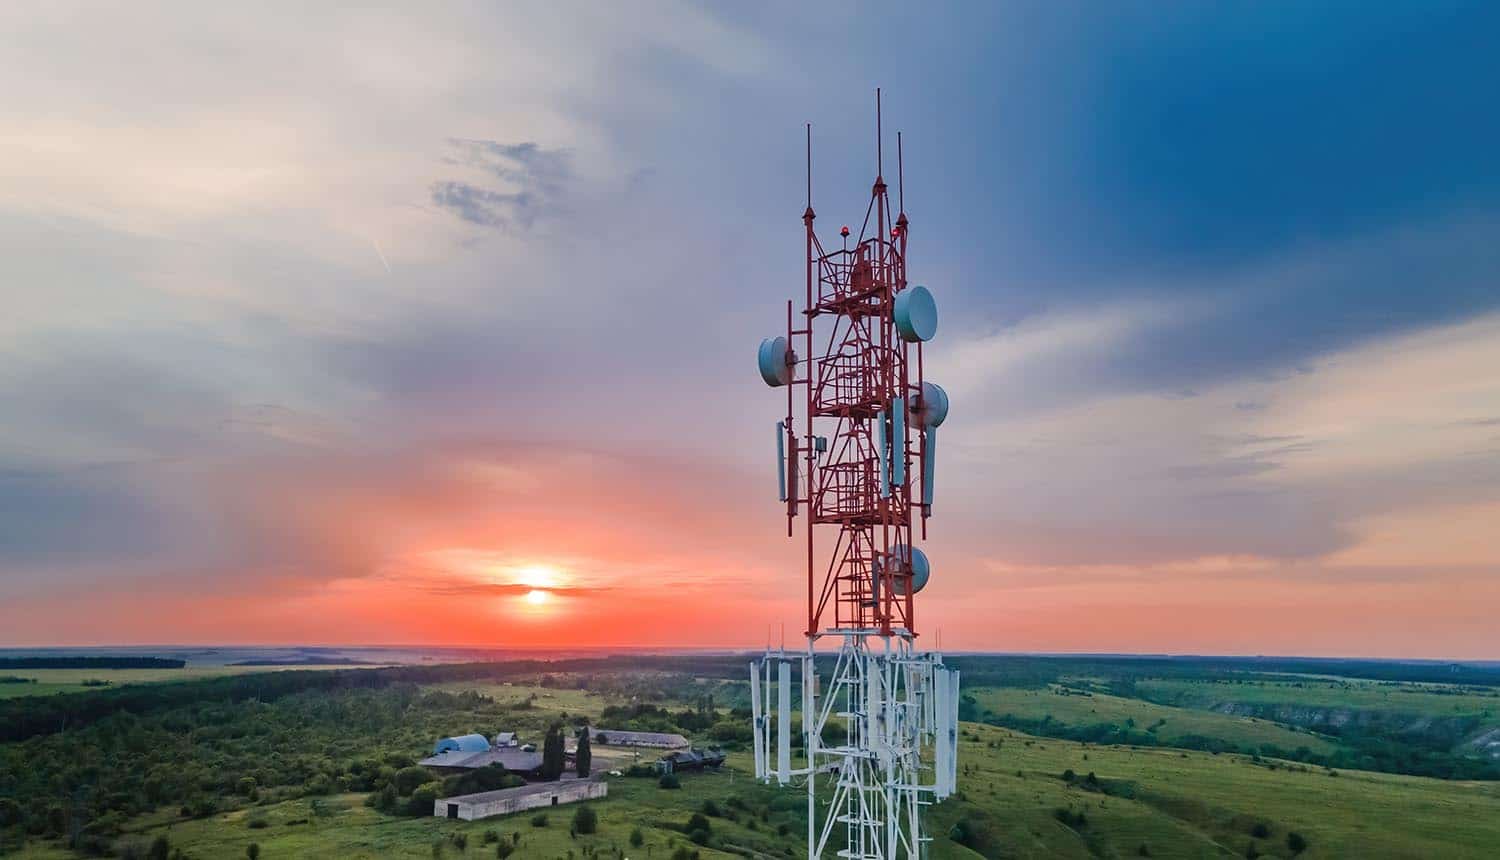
940	749
756	727
783	721
898	441
781	459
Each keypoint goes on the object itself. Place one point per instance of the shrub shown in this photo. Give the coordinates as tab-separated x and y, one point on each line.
1068	775
161	849
1144	850
252	851
1260	830
697	822
700	837
539	820
490	837
637	838
1295	842
504	850
711	809
585	820
408	778
422	800
669	780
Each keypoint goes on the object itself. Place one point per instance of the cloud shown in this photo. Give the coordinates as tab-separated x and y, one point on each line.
538	176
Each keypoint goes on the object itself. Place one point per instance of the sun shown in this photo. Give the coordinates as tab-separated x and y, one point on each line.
538	576
537	597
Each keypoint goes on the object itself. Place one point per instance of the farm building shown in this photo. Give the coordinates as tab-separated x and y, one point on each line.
513	759
506	801
692	759
621	738
464	743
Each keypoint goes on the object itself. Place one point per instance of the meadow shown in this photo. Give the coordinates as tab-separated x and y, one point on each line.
46	682
300	771
1168	724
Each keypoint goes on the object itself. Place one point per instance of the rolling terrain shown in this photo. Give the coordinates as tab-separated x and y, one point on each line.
296	768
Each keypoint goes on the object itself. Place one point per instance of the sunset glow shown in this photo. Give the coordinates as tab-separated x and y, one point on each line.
446	334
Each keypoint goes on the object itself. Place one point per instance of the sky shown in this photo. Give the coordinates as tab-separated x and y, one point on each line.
435	324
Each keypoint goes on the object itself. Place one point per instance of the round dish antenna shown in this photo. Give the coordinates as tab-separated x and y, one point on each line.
775	361
916	314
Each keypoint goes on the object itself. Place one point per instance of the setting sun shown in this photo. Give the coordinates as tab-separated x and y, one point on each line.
537	597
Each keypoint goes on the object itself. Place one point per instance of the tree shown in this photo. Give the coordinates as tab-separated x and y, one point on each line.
585	756
161	849
423	799
252	851
408	778
554	758
585	820
637	838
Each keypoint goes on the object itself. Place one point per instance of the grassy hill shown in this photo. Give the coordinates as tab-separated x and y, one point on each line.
1166	723
313	754
1191	804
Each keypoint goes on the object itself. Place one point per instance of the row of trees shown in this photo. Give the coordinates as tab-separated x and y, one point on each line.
554	753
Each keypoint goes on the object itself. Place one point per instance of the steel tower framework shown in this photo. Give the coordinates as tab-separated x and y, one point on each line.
860	472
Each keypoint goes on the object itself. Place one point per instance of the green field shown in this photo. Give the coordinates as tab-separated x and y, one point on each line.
1178	805
1015	796
51	681
1188	804
1354	694
1167	723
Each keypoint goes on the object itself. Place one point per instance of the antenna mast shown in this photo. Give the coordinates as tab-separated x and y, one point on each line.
861	475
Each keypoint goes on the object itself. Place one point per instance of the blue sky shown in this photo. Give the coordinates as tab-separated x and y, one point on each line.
300	300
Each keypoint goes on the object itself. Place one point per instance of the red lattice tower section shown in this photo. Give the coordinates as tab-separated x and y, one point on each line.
852	468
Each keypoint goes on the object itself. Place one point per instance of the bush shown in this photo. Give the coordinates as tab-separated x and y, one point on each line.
539	820
408	778
461	841
1295	842
669	780
637	838
697	822
161	849
585	820
252	851
711	809
1260	830
490	837
422	800
504	850
700	837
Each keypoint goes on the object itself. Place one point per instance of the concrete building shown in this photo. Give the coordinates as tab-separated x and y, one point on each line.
508	801
622	738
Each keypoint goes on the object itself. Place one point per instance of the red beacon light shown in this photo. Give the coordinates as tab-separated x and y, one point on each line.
844	231
895	232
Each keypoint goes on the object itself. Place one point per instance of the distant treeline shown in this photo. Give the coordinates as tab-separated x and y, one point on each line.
29	716
90	663
1039	671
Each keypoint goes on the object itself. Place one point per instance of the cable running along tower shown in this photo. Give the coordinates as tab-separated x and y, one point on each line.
856	451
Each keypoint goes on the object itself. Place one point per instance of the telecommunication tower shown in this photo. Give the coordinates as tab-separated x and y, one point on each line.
880	731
